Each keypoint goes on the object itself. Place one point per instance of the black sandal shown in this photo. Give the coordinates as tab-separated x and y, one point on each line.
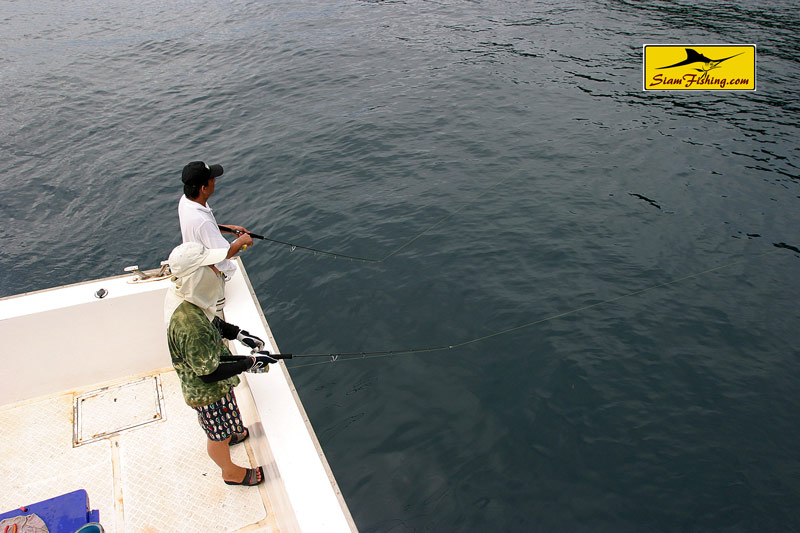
253	476
236	439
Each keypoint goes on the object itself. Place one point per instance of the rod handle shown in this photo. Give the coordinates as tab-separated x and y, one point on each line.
253	235
276	355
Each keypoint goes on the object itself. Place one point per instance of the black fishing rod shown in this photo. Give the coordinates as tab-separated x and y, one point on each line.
353	257
389	254
354	355
294	246
237	232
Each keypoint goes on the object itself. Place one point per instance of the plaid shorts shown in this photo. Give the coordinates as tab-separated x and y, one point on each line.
221	419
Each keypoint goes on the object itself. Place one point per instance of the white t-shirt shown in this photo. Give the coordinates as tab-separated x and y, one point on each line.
199	225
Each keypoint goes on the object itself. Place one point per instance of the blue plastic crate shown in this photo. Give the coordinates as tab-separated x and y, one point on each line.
63	514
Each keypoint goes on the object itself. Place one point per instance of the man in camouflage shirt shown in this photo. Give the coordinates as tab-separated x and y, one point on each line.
196	348
202	360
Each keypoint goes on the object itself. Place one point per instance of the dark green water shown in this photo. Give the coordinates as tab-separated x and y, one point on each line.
355	126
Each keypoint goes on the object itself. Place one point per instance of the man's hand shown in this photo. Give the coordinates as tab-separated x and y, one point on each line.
238	230
251	341
260	363
241	243
245	239
266	358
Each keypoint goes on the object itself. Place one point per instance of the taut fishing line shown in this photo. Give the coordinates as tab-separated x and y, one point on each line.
368	259
352	356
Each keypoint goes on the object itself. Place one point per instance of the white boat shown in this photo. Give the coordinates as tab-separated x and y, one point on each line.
89	401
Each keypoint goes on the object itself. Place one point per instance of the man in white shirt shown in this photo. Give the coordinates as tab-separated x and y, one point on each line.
197	220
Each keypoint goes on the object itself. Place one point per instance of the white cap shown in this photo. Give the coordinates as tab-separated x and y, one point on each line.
190	256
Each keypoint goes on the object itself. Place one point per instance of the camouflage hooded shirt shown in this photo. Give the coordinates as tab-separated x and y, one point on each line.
195	347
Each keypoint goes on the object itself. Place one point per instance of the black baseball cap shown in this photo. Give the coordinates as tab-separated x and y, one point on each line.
199	172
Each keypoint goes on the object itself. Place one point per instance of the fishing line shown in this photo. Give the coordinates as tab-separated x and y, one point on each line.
307	248
368	259
352	356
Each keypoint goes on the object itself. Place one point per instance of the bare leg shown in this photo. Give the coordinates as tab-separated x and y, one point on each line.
220	453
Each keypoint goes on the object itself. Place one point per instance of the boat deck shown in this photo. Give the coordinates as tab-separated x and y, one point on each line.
141	458
90	401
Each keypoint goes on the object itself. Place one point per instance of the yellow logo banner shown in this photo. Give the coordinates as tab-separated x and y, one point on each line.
699	67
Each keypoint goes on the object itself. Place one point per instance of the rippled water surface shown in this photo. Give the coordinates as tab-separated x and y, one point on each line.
504	159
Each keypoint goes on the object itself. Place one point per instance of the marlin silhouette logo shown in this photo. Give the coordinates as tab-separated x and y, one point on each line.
706	64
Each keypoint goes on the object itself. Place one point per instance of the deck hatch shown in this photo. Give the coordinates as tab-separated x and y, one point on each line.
100	413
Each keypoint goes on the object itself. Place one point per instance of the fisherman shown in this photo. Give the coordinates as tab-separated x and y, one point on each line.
202	360
197	220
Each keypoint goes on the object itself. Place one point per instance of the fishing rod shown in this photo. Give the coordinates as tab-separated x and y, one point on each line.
391	253
356	355
295	246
